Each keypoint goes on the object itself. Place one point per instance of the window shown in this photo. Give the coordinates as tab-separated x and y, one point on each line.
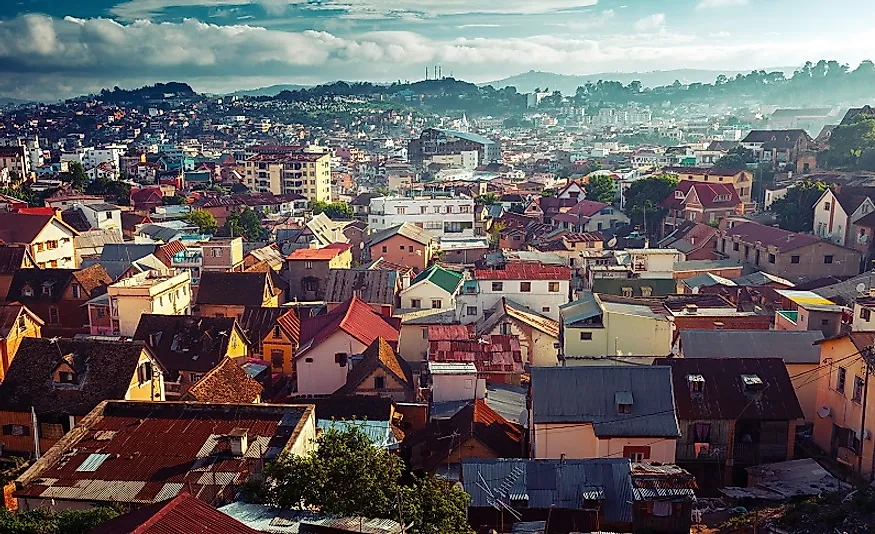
746	251
77	291
700	433
827	259
22	323
624	408
545	309
826	206
497	286
794	259
341	359
277	358
646	291
16	430
636	454
66	377
415	303
735	247
216	252
144	373
858	389
525	287
586	336
471	310
840	380
194	377
553	287
410	248
425	333
308	360
308	264
505	329
627	291
276	332
379	382
385	249
402	248
26	291
865	314
53	315
824	322
51	244
436	304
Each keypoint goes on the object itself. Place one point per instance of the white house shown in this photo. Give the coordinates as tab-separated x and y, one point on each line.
434	288
455	381
540	288
445	216
48	238
102	216
836	210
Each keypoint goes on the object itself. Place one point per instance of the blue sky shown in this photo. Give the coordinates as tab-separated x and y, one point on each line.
57	48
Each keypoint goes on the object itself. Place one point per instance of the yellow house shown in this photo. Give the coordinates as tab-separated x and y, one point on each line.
158	292
274	334
842	384
16	323
742	181
381	372
227	294
287	170
592	329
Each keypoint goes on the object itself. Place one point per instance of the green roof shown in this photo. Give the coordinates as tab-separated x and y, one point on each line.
447	280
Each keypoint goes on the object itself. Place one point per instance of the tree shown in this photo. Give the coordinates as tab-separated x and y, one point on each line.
118	190
40	521
795	212
736	159
347	475
849	144
335	210
203	220
175	200
76	176
600	188
489	199
246	224
644	198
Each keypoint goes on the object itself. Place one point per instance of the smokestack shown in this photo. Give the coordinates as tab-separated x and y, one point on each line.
239	441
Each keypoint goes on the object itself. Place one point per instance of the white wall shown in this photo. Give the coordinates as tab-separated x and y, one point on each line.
385	214
426	291
323	375
448	388
64	254
537	300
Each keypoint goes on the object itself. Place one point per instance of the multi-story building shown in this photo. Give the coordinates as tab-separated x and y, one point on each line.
437	142
14	159
742	181
542	289
837	210
291	170
165	292
444	216
91	157
48	239
223	254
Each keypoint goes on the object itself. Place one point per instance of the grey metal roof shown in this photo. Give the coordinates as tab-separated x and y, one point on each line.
372	286
761	278
467	136
584	308
793	347
708	279
124	251
588	395
408	230
540	480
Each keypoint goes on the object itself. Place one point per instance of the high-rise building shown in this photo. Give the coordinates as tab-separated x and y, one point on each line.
290	169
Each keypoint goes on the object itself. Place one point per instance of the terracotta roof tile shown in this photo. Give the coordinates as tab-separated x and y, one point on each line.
378	354
225	383
521	271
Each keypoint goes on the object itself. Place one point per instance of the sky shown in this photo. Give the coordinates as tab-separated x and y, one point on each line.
53	49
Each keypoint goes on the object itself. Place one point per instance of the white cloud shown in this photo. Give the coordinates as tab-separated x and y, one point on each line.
710	4
652	23
366	9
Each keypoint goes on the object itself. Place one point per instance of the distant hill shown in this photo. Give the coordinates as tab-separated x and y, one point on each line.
270	90
568	83
12	102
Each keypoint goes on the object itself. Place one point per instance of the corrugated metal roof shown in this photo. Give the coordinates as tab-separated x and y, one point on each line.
608	478
588	395
451	368
584	308
92	462
275	521
792	347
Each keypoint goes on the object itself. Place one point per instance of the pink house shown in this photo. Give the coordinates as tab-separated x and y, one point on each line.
407	245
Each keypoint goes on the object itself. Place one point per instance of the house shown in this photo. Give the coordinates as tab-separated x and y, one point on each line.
378	418
593	329
711	312
733	413
164	292
498	357
540	288
361	205
144	199
55	382
475	431
543	209
405	244
190	347
329	341
378	287
451	382
413	337
603	411
139	453
575	495
48	238
696	241
800	352
741	180
590	216
838	209
58	296
787	254
227	294
663	497
182	514
225	383
307	269
93	216
435	288
223	254
839	429
538	335
274	335
862	237
16	323
12	259
380	372
780	148
699	202
806	310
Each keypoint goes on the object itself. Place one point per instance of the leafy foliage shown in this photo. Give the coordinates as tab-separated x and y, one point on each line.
118	190
851	146
247	224
795	211
643	198
175	200
45	522
737	159
76	177
25	194
348	475
203	220
334	210
600	188
489	199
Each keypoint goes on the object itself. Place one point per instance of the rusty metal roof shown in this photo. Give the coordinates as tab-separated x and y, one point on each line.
490	354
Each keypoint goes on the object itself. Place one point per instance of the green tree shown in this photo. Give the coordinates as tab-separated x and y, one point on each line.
795	212
489	199
850	145
600	188
347	475
117	190
175	200
76	176
334	210
736	160
203	220
41	521
644	198
246	224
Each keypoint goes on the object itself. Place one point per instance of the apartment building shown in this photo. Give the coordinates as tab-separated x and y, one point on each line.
223	254
444	216
48	239
290	171
165	292
434	142
542	289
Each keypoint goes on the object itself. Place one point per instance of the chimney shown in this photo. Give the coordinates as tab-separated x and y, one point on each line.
239	441
691	308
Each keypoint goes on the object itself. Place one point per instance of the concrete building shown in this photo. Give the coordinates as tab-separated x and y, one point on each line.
158	292
439	142
836	210
291	170
444	216
540	288
223	254
48	239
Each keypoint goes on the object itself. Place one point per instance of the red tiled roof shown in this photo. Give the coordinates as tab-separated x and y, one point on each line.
320	254
700	171
496	353
524	271
355	318
752	232
448	332
22	227
165	252
587	208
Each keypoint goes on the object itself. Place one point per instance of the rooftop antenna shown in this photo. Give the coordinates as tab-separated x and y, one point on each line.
497	496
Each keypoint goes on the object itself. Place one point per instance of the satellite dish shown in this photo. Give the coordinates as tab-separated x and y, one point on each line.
823	412
612	242
861	288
